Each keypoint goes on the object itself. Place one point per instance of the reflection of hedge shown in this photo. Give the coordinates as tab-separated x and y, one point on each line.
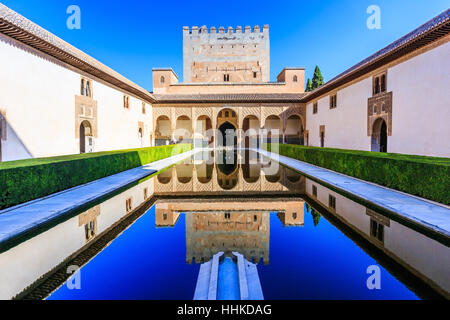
25	180
427	177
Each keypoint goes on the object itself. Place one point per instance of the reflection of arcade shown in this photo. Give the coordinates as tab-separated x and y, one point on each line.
228	225
239	172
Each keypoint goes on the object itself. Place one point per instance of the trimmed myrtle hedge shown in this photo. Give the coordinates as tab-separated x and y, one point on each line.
427	177
25	180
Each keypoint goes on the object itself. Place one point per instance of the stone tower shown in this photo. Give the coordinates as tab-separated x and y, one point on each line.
226	55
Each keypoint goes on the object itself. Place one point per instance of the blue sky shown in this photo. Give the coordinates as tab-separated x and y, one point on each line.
134	36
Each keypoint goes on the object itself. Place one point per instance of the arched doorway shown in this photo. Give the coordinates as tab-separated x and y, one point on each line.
251	126
204	136
274	129
227	169
379	136
183	130
227	124
184	172
294	130
85	137
165	176
163	132
228	136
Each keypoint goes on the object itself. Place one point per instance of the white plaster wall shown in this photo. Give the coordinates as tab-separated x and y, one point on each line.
25	263
421	104
38	97
346	125
118	126
421	109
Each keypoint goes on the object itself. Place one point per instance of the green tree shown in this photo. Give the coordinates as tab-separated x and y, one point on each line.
308	86
317	80
315	216
308	207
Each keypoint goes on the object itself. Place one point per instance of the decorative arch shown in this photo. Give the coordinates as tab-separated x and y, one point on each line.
273	125
294	130
85	132
227	115
163	130
379	138
251	126
165	176
183	129
203	133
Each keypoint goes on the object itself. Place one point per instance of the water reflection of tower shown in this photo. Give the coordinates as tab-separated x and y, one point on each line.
245	232
228	225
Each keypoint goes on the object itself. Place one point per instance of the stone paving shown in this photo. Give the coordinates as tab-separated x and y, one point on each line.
432	215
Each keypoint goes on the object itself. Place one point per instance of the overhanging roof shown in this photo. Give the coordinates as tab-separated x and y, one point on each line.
231	98
427	33
23	30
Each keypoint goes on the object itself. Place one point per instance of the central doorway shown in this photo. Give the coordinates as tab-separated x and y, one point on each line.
228	138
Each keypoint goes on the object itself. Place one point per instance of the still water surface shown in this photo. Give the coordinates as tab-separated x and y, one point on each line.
307	245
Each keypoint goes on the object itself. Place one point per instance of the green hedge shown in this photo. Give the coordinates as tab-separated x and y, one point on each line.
25	180
427	177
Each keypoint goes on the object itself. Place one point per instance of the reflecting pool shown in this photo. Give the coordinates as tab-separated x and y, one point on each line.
149	241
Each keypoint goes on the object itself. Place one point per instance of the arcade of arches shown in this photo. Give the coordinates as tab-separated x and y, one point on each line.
232	126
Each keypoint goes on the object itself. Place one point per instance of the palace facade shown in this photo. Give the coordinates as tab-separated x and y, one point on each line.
57	100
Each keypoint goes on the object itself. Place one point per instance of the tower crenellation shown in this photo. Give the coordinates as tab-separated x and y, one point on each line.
226	54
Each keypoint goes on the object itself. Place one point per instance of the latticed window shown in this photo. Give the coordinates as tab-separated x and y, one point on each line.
377	230
85	89
126	102
332	202
333	101
379	84
128	205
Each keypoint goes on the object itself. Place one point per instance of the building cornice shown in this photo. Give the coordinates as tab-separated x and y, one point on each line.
229	98
25	31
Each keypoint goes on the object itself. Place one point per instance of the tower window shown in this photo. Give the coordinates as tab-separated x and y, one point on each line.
295	79
226	77
254	74
162	80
